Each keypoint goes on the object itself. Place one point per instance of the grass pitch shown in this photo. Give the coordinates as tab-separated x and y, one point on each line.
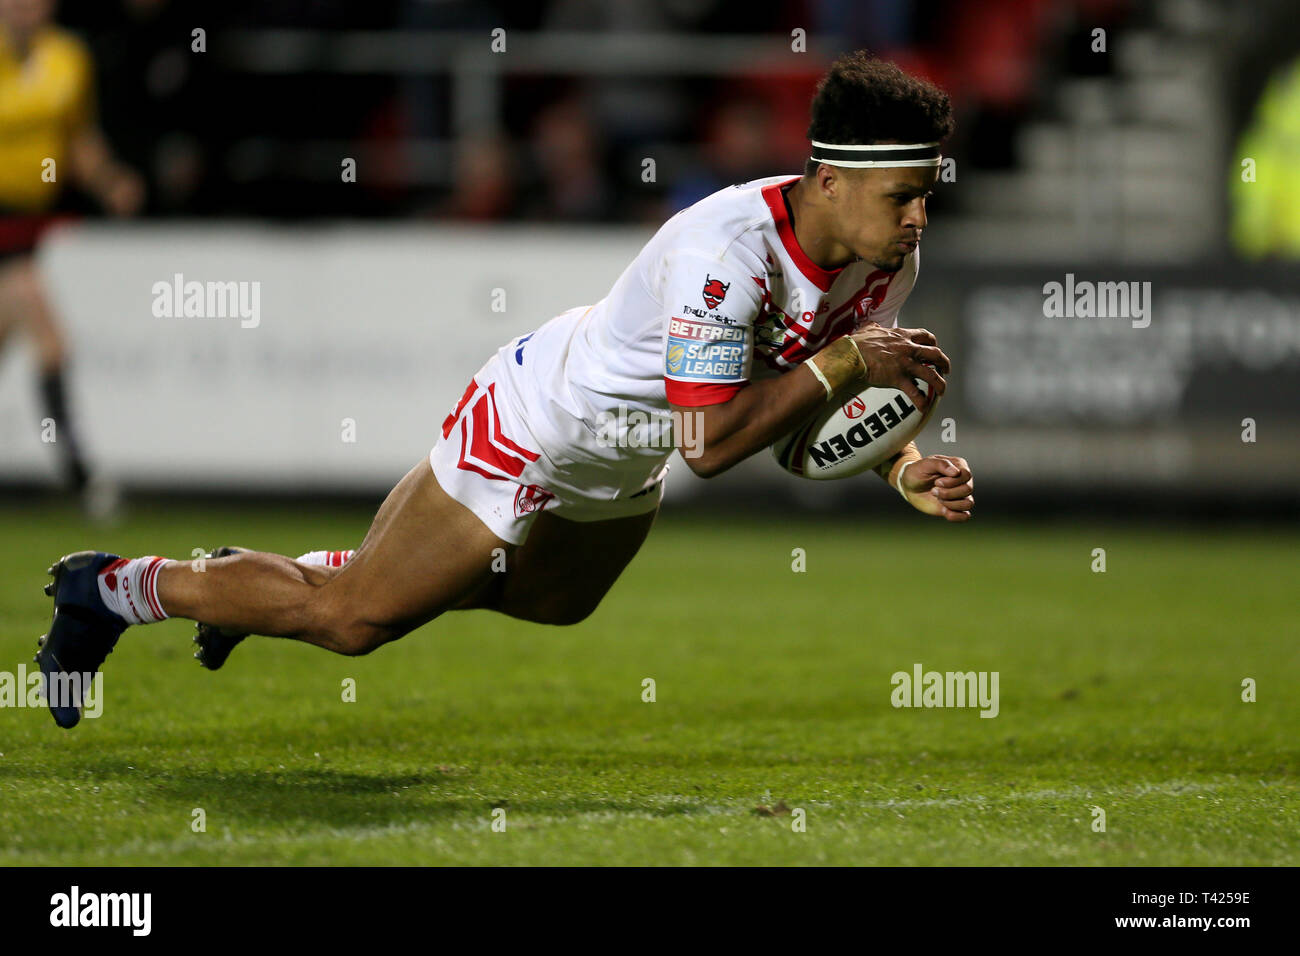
1119	690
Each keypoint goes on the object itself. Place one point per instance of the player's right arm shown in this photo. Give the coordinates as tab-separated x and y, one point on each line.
758	413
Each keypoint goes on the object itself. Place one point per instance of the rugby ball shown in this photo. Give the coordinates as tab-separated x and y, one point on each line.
843	440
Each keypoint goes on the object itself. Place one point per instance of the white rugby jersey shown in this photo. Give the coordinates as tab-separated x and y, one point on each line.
721	296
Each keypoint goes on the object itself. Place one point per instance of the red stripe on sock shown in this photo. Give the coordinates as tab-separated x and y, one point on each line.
150	580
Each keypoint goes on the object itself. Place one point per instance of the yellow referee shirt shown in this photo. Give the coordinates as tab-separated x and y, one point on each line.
43	100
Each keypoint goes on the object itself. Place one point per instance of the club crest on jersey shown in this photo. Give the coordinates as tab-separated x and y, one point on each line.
875	295
530	498
714	291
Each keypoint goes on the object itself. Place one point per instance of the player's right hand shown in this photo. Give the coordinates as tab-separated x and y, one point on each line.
895	357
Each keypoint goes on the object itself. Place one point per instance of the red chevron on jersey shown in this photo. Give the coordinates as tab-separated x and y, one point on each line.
790	341
867	299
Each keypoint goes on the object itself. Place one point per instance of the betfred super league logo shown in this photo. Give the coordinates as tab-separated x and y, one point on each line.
714	291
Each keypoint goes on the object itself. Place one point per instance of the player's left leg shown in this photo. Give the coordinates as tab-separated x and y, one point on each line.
560	574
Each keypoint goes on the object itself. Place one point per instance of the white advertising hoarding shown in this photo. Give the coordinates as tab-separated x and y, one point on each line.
322	357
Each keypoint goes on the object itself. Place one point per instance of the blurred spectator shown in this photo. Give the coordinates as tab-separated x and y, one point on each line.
567	155
483	186
735	149
635	107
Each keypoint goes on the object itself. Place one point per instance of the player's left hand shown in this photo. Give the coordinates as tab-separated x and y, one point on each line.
940	485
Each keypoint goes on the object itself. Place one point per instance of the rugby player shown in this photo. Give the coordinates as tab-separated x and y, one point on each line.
747	311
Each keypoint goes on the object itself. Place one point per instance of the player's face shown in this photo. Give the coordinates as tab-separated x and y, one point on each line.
882	212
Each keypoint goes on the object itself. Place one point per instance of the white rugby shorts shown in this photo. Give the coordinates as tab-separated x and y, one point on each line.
487	460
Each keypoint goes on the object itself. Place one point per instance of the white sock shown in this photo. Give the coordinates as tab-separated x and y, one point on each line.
328	559
129	588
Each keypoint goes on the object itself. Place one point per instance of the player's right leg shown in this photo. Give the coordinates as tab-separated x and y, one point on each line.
423	553
216	643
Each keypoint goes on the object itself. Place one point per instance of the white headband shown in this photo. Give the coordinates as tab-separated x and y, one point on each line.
882	154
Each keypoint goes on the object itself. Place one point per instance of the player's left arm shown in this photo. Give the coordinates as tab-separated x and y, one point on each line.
940	485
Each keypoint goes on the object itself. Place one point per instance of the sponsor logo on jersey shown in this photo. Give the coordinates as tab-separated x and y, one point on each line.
838	447
704	331
704	351
706	314
676	353
531	498
714	291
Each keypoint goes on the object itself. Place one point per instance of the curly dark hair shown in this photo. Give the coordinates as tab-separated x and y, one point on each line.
864	100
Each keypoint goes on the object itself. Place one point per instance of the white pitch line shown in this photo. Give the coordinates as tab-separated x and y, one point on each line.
1171	787
217	842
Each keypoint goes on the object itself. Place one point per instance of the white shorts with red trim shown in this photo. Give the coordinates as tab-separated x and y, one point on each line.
484	460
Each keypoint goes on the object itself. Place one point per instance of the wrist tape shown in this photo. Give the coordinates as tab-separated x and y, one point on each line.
898	486
838	365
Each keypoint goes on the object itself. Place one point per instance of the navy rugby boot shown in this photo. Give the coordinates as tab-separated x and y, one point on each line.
215	643
82	633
